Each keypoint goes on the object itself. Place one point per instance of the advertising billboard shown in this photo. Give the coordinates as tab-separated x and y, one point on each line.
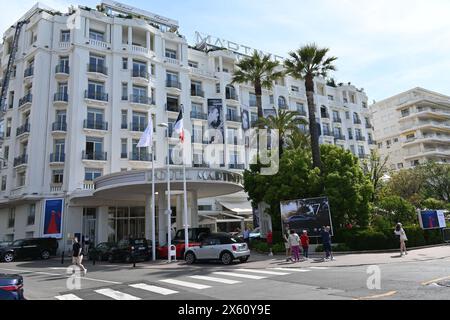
306	214
432	219
215	121
53	216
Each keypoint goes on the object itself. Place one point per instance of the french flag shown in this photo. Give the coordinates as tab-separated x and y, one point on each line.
179	126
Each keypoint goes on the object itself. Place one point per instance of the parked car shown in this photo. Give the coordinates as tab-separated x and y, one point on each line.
219	246
35	248
11	287
5	243
129	250
102	251
195	236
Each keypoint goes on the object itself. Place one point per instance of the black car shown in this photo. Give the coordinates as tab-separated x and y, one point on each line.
130	250
35	248
11	287
102	251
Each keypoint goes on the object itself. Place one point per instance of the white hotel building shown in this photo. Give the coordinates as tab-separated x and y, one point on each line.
83	87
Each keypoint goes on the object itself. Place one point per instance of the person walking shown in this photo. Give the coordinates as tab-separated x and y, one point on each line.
326	242
304	239
247	236
77	256
294	242
402	234
270	242
287	245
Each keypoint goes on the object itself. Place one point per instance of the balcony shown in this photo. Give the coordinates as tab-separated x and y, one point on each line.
28	72
172	108
231	96
172	61
21	160
97	96
96	68
200	165
325	115
140	74
136	156
61	97
372	142
59	126
236	166
97	156
359	138
337	120
328	133
140	99
173	84
136	127
200	72
234	117
57	158
27	100
199	115
339	136
197	93
23	129
357	121
95	125
62	70
369	126
98	43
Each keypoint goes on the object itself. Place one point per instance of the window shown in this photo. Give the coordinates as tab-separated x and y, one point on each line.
300	107
92	174
336	116
356	119
140	94
364	104
330	97
140	121
5	156
33	37
11	217
58	149
361	150
352	149
94	148
3	183
193	64
95	118
8	127
415	163
95	89
97	64
400	165
172	54
124	63
65	36
96	35
217	87
152	69
324	112
230	92
31	215
271	99
196	89
123	148
140	69
358	134
369	137
124	118
196	108
282	102
172	78
326	129
57	176
405	112
63	65
395	140
388	143
21	179
295	89
124	91
11	100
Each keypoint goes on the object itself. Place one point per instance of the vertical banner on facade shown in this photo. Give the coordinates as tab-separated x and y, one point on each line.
245	120
53	215
215	121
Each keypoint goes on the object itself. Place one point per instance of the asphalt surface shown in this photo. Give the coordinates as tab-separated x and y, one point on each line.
262	278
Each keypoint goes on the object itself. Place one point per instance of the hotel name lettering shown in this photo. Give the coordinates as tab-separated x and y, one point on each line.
200	175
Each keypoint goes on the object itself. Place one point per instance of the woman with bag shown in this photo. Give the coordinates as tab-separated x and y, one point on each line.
294	242
402	234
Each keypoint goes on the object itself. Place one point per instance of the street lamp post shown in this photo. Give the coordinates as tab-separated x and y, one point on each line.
169	211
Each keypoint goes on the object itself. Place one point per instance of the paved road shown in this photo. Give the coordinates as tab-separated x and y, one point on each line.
262	279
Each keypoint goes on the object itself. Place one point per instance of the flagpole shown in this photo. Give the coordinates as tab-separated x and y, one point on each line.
186	227
169	211
153	207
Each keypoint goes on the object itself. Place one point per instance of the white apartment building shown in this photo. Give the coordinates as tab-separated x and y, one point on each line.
83	88
413	128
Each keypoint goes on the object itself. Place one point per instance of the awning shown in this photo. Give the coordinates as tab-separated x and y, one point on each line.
241	207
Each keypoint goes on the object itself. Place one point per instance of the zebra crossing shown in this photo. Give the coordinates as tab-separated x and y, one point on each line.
171	286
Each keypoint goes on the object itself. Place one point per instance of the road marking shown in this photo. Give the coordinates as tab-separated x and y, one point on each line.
99	280
291	269
319	268
58	268
214	279
240	275
155	289
68	297
274	273
387	294
186	284
435	280
116	295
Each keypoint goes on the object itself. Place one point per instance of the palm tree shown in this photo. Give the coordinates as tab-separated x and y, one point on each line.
307	63
299	140
286	122
260	71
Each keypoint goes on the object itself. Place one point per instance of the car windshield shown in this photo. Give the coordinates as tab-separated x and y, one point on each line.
18	243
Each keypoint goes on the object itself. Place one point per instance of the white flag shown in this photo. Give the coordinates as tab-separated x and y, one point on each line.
147	137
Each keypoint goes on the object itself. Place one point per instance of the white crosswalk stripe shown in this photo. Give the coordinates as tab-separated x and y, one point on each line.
214	279
116	295
291	269
274	273
240	275
155	289
68	297
186	284
319	268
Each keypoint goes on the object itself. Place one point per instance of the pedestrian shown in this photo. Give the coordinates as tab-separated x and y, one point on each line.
247	236
294	242
269	242
304	239
326	242
77	256
402	234
287	245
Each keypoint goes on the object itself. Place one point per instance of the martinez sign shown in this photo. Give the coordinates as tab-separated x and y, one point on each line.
239	49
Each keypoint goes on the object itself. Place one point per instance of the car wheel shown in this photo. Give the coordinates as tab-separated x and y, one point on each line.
9	257
45	255
189	258
226	258
243	259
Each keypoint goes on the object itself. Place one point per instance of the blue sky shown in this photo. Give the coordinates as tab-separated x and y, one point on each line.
383	46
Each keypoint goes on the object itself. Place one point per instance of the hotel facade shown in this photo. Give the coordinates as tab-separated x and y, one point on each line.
82	89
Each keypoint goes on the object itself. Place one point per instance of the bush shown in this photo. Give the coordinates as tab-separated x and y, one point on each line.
340	247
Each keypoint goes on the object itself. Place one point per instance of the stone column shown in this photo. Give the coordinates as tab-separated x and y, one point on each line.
148	40
162	217
130	36
88	26
220	64
102	225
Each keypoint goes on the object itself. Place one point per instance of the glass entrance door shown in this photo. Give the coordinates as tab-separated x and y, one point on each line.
90	226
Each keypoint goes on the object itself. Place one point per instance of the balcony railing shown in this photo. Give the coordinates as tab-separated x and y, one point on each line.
283	106
236	166
234	117
136	73
99	156
327	133
368	126
135	156
61	97
27	99
137	127
359	138
197	93
339	136
338	120
199	115
59	126
23	159
372	142
96	68
28	72
62	69
23	129
134	98
173	84
325	115
57	157
99	96
357	121
173	108
95	125
231	96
